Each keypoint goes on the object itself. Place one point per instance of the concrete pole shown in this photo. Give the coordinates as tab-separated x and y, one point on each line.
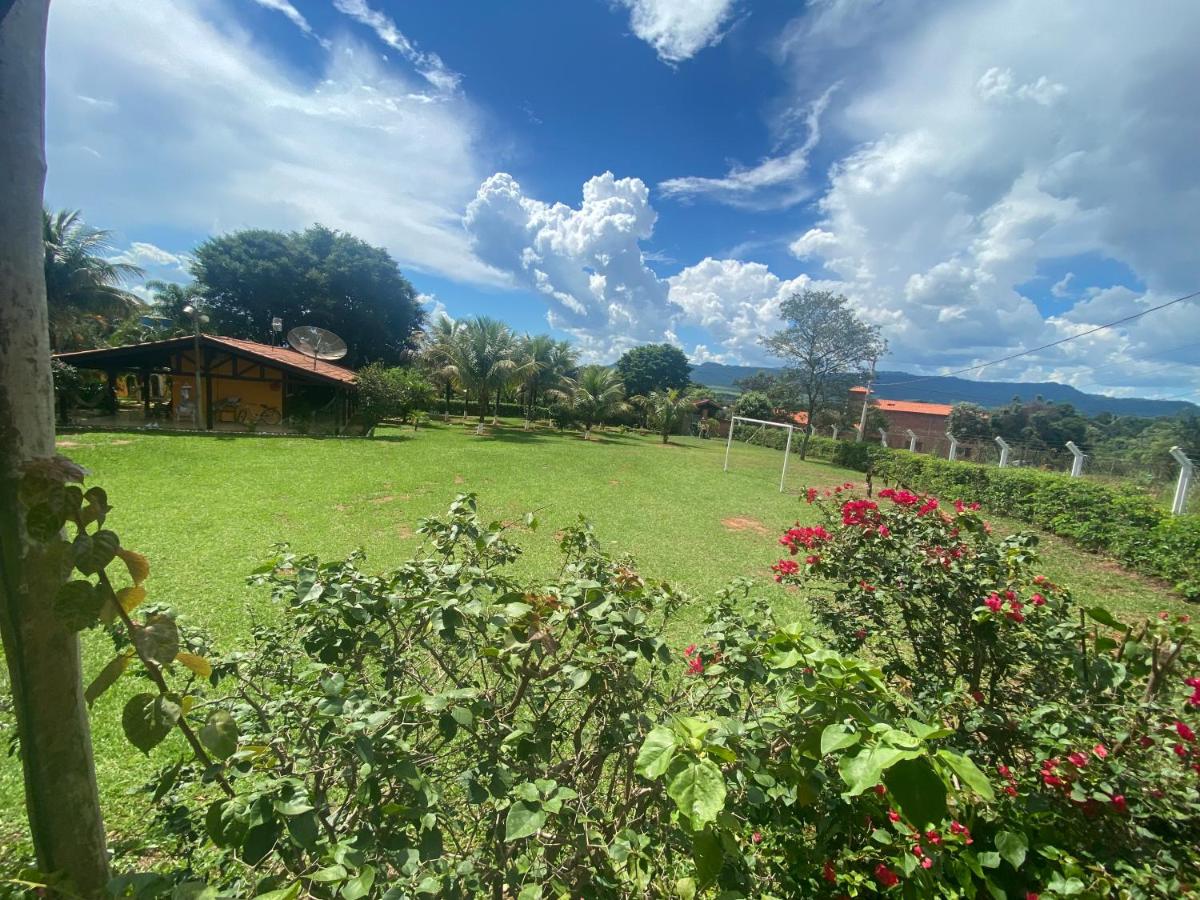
912	440
1077	461
835	431
862	419
953	447
883	437
1185	480
1004	448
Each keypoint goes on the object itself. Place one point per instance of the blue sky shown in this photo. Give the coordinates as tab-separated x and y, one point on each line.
973	176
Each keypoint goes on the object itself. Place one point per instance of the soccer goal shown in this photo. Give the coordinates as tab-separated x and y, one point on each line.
755	431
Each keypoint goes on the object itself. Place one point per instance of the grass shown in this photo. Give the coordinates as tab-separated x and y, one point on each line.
206	509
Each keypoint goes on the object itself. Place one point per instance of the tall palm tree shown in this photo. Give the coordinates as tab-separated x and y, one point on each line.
83	286
666	409
481	359
595	394
436	355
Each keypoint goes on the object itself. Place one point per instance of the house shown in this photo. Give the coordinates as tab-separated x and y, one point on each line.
928	421
240	381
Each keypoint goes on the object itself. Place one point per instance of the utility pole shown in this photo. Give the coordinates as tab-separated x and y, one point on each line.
862	419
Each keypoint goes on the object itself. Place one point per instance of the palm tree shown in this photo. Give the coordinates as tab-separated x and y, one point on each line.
544	362
595	394
83	286
480	358
437	356
666	409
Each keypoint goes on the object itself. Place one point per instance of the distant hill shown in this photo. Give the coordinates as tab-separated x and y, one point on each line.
940	389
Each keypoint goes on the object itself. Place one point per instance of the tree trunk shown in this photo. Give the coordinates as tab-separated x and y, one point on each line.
812	409
483	405
42	656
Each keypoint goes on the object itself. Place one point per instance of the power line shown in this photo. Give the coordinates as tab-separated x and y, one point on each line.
1057	343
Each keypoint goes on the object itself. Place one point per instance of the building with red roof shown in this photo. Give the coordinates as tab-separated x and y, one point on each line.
928	421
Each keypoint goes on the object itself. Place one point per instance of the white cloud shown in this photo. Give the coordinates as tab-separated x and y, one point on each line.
199	130
587	262
774	182
434	308
293	15
1062	287
428	65
983	146
678	29
144	255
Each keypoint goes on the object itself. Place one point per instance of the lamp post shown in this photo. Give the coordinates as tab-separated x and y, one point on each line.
198	318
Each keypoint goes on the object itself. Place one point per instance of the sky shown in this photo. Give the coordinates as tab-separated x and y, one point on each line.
976	177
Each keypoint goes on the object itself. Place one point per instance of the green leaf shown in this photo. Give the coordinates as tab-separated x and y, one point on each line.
107	678
699	792
92	552
44	521
524	819
706	853
330	873
97	505
1104	617
158	639
291	892
918	791
78	603
865	769
360	885
219	735
989	860
837	737
685	888
968	773
147	719
1013	847
657	752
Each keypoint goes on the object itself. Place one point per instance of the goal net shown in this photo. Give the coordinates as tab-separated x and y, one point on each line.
760	433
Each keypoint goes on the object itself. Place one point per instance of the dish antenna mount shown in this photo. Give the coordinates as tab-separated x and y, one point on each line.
316	342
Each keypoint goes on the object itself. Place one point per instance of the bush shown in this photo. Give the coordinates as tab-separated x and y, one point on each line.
1123	522
507	410
852	455
754	405
389	393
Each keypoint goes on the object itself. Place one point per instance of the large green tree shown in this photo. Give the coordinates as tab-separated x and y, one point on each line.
479	357
316	277
84	287
654	367
824	343
594	395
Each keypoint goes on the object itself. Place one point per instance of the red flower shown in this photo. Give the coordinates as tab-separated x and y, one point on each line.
886	876
1180	750
861	634
1037	600
1039	579
812	560
977	696
973	506
785	567
926	863
1118	803
848	485
933	837
869	588
884	531
917	851
756	837
1184	732
1010	790
794	538
893	815
1077	759
1194	684
810	495
695	665
689	650
1145	742
880	789
994	603
1031	895
928	506
1100	751
1163	615
959	506
955	828
828	872
860	512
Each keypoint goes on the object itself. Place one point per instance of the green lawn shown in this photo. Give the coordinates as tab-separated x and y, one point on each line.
206	510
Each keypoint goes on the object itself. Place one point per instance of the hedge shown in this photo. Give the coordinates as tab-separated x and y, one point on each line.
1120	521
437	407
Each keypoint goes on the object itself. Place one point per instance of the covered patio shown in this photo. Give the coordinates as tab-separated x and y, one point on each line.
212	383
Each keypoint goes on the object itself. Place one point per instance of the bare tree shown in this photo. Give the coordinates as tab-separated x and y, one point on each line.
42	654
825	344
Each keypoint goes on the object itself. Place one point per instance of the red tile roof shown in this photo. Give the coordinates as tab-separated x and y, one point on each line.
908	406
284	356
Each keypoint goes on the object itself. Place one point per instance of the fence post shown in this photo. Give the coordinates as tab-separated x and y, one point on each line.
953	447
1077	462
883	437
1004	448
1185	480
912	440
835	431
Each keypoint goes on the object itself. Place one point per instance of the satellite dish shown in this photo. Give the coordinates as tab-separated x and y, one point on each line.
316	342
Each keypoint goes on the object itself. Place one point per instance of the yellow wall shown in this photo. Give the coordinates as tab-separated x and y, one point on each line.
250	392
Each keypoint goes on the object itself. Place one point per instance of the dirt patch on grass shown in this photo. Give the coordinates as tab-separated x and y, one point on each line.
404	532
613	481
458	479
745	523
67	444
387	498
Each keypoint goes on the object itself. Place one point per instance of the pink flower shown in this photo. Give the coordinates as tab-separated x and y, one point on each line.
886	876
933	837
1077	759
959	506
884	531
756	837
1039	579
1037	600
994	603
812	560
1100	751
926	863
893	815
689	650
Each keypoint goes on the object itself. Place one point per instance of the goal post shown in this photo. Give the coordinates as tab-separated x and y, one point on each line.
762	424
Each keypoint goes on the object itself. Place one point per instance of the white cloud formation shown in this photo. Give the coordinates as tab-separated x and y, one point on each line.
983	146
1062	287
586	261
428	65
434	308
293	15
775	182
194	128
678	29
145	255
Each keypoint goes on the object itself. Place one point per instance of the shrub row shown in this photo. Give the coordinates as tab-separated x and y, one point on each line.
1123	522
507	410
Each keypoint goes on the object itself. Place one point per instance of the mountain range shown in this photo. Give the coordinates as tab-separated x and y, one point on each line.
948	389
